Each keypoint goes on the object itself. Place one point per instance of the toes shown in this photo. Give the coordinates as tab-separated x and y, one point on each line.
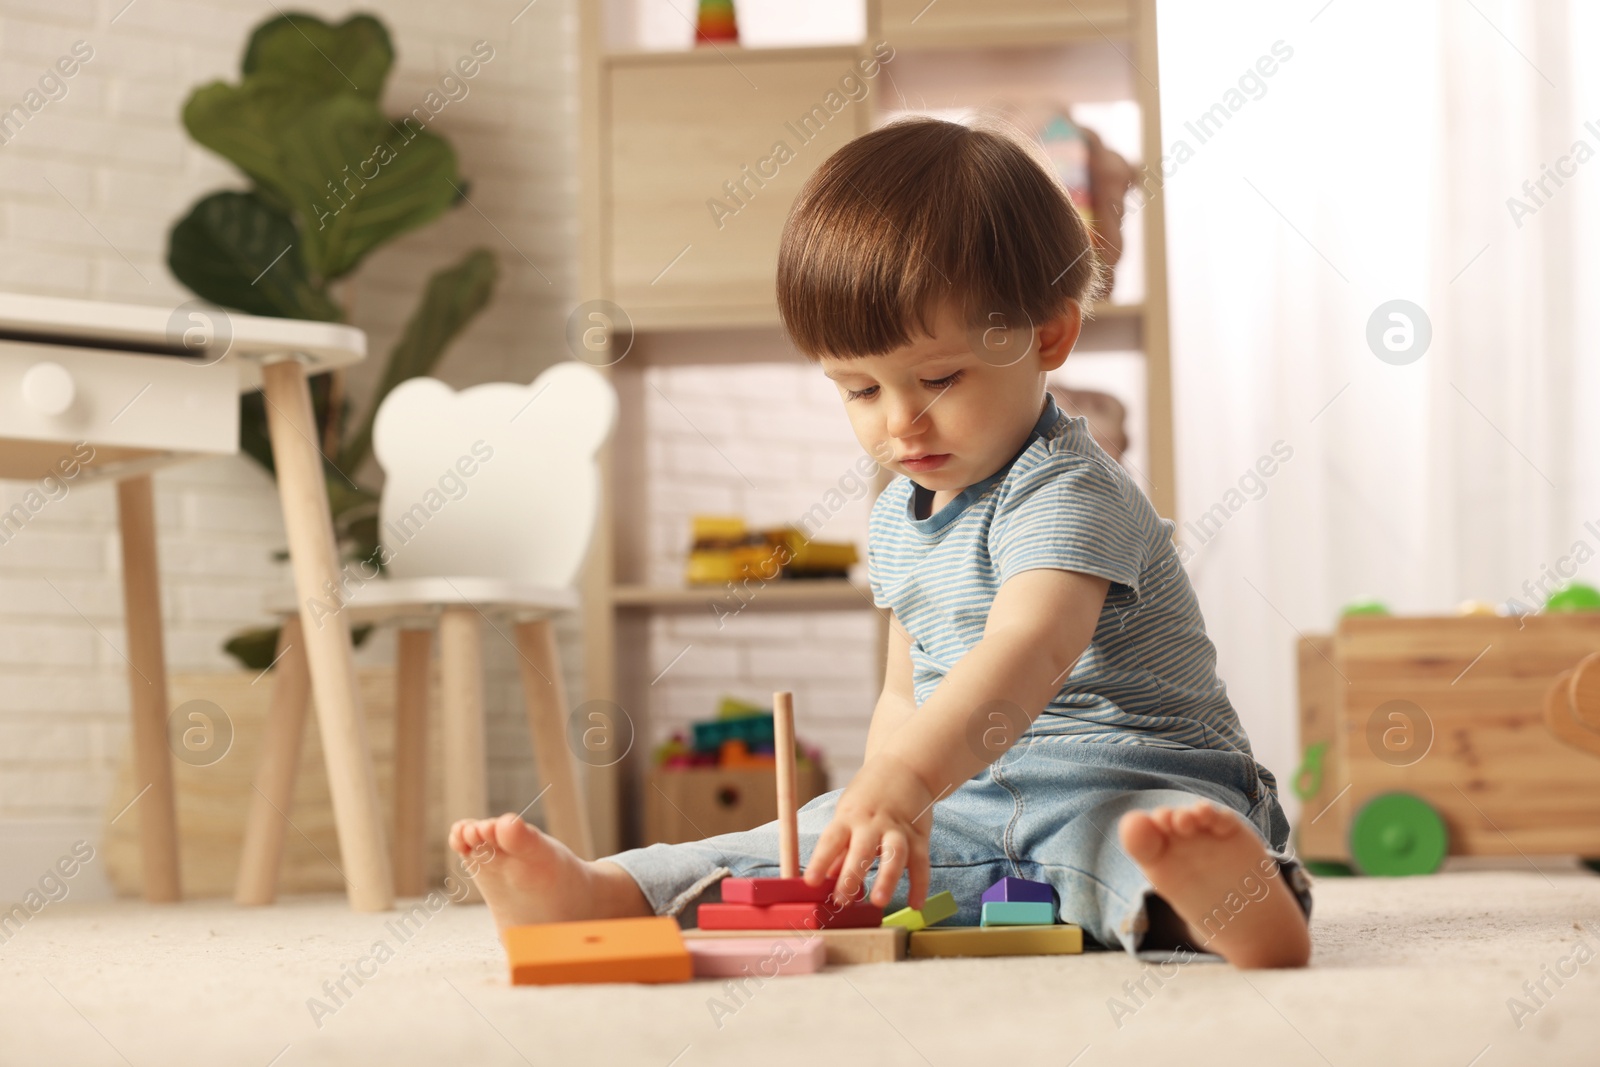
512	835
1184	822
1162	817
1143	838
455	839
1222	823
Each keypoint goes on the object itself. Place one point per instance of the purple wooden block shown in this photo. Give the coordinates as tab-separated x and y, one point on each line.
1019	889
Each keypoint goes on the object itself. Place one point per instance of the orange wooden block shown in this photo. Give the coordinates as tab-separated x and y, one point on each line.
648	949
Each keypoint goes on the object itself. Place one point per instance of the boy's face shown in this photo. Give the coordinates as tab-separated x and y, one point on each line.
952	409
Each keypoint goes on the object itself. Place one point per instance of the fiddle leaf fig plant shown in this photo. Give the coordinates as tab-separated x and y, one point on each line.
331	180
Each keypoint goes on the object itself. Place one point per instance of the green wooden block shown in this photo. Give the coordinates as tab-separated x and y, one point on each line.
910	918
1018	913
939	907
935	909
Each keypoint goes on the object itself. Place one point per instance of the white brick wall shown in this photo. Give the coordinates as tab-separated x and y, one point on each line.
765	441
90	186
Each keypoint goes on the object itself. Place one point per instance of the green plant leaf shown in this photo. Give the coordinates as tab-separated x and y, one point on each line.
242	124
354	56
357	180
237	251
453	297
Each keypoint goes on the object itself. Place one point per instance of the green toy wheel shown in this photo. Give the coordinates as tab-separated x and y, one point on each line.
1398	834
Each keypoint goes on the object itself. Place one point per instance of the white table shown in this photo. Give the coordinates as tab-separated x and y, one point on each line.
150	386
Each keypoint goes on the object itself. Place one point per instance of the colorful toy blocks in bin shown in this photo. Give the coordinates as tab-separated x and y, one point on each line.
753	730
1019	890
756	957
795	916
935	909
1018	913
647	949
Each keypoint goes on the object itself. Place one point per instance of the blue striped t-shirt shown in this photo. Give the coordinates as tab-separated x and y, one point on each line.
1149	674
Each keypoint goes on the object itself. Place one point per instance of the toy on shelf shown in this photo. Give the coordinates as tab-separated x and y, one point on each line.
1427	737
725	550
648	949
1365	606
715	22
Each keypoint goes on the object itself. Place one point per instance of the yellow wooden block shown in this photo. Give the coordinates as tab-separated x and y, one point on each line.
1061	939
873	944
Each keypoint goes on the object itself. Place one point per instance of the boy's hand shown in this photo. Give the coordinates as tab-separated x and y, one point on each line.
887	810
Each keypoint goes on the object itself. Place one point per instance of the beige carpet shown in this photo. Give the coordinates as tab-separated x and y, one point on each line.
1413	971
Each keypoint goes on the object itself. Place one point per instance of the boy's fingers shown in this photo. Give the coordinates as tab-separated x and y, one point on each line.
829	845
918	868
890	866
856	862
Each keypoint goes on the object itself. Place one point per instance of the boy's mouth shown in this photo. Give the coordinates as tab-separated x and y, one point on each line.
925	462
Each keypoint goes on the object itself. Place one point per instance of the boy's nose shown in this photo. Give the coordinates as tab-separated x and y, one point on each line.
904	419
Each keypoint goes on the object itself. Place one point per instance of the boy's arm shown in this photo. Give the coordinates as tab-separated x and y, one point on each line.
1038	626
898	702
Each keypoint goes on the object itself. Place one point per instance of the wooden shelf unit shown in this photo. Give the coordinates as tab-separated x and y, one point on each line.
659	132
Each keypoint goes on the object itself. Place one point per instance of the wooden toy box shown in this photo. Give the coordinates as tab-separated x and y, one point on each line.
687	804
1451	710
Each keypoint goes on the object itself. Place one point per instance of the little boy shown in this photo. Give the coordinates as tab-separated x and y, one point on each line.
1051	708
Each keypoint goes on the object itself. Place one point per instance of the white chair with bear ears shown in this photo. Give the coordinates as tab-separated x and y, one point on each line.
488	507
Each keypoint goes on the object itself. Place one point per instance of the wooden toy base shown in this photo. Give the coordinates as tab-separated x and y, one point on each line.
1059	940
881	944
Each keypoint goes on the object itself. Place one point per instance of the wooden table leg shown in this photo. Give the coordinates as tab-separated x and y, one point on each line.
147	681
262	856
545	694
466	782
411	763
363	849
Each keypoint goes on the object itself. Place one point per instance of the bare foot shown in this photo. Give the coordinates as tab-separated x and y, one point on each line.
1215	873
527	876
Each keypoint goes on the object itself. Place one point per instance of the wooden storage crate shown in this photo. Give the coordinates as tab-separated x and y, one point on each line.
1485	760
696	802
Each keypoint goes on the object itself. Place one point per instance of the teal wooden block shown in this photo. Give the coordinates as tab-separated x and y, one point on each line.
1018	913
936	908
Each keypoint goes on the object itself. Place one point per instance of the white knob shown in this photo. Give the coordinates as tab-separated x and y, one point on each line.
47	388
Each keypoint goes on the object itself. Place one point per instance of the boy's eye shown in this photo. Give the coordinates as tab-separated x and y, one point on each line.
932	383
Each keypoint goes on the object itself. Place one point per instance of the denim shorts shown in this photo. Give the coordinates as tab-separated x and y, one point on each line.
1046	811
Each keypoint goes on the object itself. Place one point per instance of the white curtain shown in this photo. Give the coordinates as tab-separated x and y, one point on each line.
1378	162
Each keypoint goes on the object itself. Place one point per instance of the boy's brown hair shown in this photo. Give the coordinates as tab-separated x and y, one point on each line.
922	211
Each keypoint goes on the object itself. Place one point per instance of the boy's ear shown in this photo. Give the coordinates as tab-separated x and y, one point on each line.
1057	336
